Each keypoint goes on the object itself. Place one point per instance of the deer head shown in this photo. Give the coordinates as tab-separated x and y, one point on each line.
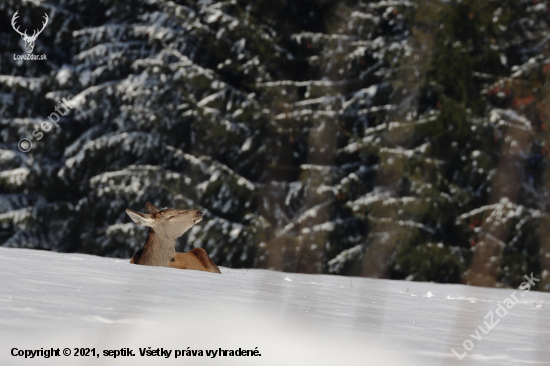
168	223
29	40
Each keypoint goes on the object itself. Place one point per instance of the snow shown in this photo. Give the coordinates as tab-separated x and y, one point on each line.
60	300
15	177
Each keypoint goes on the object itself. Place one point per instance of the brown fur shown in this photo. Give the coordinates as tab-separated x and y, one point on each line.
196	259
159	250
137	256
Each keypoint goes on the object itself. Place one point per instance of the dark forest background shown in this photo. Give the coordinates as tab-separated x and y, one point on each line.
390	139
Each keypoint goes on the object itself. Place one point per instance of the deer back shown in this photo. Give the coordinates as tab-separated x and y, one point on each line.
196	259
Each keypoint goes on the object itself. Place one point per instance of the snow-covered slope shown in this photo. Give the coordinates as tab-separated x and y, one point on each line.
72	301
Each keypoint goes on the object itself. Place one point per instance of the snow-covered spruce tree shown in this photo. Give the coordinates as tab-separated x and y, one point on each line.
162	116
417	145
509	233
489	142
339	113
164	110
34	210
348	137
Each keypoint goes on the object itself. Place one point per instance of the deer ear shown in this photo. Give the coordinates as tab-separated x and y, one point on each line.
139	218
151	209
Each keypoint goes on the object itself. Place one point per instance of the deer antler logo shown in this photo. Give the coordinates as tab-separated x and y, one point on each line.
29	40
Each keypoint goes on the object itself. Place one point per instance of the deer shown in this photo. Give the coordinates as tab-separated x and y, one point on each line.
163	228
29	40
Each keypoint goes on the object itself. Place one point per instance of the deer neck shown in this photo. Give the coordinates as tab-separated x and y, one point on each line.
159	250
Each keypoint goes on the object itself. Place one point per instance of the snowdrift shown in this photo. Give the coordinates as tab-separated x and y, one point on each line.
72	301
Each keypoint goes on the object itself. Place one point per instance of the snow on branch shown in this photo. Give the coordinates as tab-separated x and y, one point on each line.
510	118
503	211
31	84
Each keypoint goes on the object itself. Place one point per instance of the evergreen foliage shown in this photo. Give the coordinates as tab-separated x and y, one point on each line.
396	139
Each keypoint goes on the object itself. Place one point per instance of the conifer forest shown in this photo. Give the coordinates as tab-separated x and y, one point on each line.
398	139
